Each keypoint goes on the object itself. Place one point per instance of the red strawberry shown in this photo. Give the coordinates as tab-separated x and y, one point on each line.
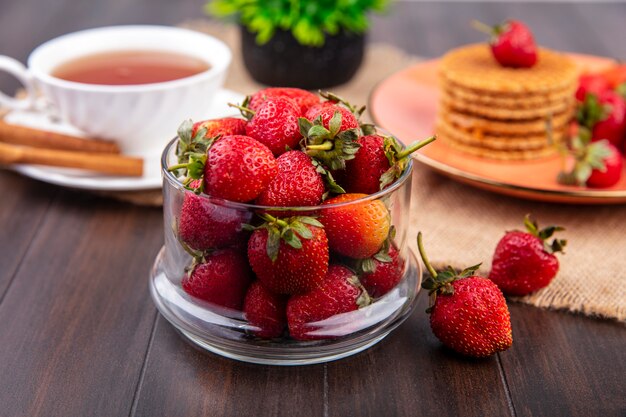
613	125
615	76
203	224
378	163
381	275
610	172
297	183
290	255
591	84
275	124
220	277
512	43
341	292
468	313
238	168
597	164
227	126
327	110
265	310
603	116
356	230
303	99
523	261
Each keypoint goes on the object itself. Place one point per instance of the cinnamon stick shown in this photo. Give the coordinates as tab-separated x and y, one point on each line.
97	162
26	136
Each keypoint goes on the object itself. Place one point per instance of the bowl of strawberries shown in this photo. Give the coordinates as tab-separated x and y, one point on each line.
286	231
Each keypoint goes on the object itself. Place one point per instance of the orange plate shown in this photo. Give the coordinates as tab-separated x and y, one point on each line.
406	104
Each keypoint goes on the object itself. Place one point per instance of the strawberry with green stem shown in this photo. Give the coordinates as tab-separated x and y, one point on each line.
289	255
274	123
379	162
525	261
512	43
468	313
383	271
235	168
331	145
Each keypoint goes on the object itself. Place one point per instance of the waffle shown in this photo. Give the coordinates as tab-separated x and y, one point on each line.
470	122
473	67
507	101
505	155
505	113
499	142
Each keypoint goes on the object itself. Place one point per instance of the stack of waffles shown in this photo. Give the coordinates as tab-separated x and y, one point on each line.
505	113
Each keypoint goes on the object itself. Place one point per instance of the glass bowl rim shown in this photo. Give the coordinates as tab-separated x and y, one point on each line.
173	181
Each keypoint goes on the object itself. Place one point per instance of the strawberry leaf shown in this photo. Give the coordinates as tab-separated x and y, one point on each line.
317	133
382	257
291	239
368	265
273	243
335	124
331	184
468	272
591	111
301	229
368	129
309	220
305	125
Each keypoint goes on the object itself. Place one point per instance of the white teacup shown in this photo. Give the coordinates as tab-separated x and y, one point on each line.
140	118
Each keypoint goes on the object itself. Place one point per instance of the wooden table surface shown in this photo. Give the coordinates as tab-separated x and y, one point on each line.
79	335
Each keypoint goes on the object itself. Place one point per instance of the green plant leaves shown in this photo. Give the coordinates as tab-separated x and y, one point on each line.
308	20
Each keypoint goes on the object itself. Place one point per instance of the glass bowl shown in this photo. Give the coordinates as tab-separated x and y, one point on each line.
227	332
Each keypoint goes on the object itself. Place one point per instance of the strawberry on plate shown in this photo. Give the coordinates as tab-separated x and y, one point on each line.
468	313
340	292
608	171
524	262
596	164
356	230
303	99
266	311
512	43
604	115
591	84
220	277
289	255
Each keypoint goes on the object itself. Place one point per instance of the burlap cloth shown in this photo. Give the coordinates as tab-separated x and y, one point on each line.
462	225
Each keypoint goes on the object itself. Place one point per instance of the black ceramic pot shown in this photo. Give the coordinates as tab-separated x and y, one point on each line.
284	62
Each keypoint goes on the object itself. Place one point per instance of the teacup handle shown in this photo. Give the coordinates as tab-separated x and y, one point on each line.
19	71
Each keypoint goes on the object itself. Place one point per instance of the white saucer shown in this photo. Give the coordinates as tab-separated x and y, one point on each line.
74	178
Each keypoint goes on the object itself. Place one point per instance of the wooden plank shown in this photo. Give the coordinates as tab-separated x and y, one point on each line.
76	321
24	205
181	380
411	374
565	365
